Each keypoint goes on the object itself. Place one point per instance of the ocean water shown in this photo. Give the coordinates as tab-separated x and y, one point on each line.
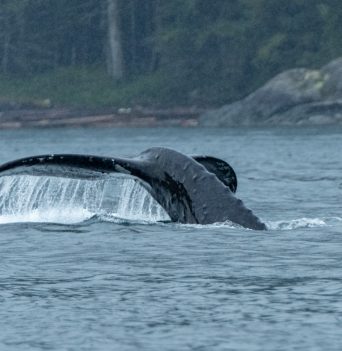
96	265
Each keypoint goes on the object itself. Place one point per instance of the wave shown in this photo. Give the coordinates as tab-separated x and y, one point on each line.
303	223
283	225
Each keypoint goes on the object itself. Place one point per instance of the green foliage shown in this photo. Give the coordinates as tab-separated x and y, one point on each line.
85	87
176	52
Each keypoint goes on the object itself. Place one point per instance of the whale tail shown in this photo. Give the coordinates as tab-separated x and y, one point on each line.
68	166
223	171
203	194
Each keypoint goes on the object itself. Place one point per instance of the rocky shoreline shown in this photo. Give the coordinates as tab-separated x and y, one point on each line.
123	117
297	97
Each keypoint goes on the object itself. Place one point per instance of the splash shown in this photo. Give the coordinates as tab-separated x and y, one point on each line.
297	224
115	199
60	200
135	202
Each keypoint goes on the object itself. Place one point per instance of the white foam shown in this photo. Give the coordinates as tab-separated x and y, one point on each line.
226	224
49	216
296	224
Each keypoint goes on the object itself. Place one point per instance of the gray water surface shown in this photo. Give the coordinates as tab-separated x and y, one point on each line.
83	268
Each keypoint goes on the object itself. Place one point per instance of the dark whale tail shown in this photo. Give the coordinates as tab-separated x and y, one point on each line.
191	190
223	171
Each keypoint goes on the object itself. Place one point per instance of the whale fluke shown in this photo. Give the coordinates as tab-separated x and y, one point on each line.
223	171
191	190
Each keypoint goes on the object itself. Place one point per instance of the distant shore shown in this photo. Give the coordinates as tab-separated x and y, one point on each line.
296	97
122	117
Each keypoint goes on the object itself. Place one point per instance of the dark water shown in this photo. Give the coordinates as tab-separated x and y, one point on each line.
90	281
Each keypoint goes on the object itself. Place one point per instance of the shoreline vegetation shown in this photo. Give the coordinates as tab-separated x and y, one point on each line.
87	96
294	97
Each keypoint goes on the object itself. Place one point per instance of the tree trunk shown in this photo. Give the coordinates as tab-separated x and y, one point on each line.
5	56
155	31
115	64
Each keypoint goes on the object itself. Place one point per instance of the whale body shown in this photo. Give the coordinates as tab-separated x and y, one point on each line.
197	190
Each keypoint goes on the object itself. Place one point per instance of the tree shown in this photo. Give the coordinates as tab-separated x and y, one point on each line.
192	51
12	29
115	65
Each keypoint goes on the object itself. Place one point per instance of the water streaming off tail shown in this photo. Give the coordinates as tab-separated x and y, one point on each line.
44	199
135	202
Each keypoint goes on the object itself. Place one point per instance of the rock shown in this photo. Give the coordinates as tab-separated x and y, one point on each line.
294	97
322	112
332	89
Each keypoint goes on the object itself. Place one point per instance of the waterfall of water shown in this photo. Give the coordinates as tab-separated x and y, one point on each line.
44	199
136	202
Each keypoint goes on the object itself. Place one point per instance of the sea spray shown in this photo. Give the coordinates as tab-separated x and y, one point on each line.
135	202
61	200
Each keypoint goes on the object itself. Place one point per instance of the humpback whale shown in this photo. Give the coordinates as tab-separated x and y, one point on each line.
198	189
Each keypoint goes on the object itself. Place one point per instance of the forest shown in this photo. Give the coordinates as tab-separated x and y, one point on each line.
158	52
